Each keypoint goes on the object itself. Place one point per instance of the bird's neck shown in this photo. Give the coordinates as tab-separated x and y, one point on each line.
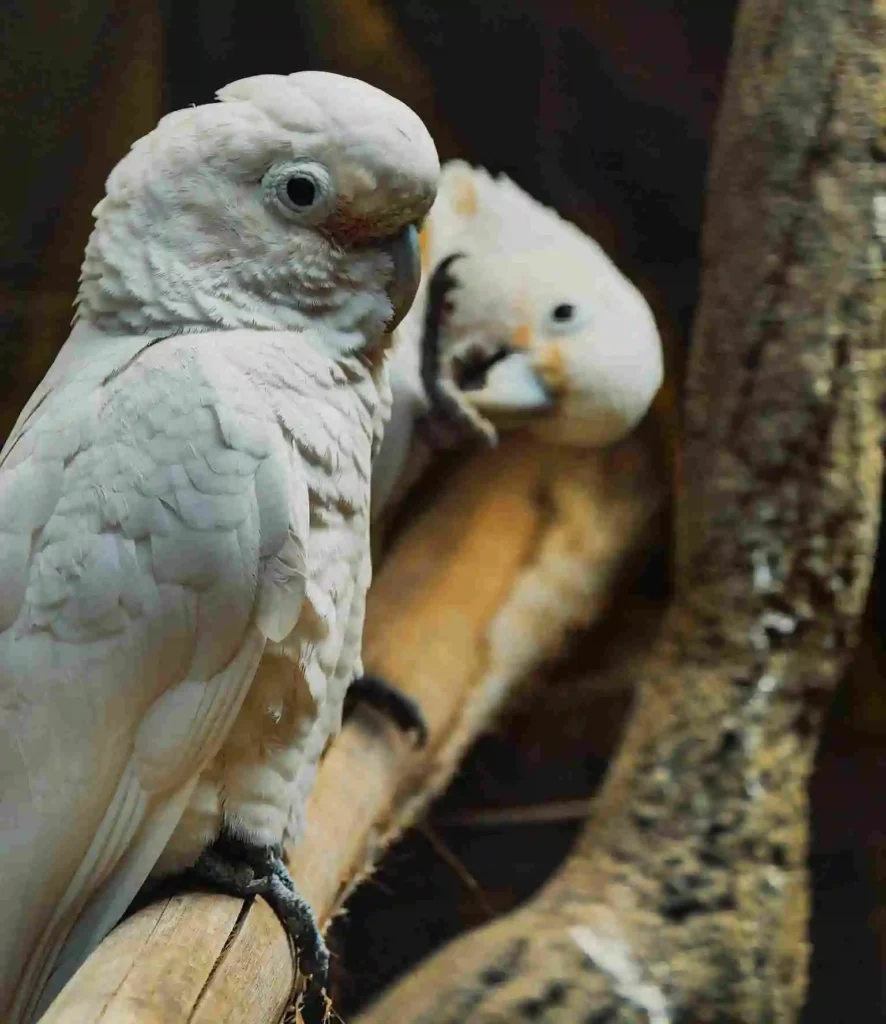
130	285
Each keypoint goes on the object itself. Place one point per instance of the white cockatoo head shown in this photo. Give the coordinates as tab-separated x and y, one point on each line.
292	201
542	327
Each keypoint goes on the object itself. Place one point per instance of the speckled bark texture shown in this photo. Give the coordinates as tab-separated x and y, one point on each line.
686	900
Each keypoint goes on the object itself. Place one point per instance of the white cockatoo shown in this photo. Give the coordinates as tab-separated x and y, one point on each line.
521	319
539	328
184	512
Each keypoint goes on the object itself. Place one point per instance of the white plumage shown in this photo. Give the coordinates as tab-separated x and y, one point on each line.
184	503
580	355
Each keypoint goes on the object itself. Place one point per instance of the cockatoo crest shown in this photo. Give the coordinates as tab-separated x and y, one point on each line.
265	210
481	210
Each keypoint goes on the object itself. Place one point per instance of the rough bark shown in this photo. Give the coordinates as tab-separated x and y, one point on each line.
546	532
687	897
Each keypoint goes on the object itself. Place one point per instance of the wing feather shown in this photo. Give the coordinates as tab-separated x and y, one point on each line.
151	544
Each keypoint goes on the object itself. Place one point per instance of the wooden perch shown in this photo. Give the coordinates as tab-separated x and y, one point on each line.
687	897
522	545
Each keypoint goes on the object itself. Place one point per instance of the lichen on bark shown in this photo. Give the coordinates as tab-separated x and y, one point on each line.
687	897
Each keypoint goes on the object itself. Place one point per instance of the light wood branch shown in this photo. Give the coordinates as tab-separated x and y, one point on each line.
687	897
522	545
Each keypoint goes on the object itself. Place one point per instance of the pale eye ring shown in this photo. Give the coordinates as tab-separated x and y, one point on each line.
302	189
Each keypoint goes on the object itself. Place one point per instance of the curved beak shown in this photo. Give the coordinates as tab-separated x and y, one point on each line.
403	249
511	387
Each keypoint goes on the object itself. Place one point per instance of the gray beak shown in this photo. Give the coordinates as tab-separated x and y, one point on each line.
511	387
404	251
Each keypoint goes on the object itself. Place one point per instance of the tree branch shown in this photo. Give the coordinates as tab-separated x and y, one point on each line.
687	897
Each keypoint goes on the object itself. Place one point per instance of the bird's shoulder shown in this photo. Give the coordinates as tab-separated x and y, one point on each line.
166	481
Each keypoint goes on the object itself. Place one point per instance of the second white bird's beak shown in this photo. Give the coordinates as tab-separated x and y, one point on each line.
512	387
404	251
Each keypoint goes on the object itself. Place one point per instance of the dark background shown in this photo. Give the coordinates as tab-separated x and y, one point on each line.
604	110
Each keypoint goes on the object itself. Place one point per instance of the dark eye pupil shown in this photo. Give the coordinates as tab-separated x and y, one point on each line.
301	191
565	311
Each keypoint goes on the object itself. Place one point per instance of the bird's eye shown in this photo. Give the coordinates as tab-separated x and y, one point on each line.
563	313
301	191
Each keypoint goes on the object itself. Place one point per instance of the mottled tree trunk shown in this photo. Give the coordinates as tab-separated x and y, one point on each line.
687	897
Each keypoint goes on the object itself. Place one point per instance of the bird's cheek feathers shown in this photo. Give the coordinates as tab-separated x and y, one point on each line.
605	386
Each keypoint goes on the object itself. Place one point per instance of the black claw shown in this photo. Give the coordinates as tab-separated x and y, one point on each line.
239	868
400	708
443	406
441	283
449	422
312	956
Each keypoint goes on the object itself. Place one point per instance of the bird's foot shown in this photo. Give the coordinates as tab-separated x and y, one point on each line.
237	867
449	421
396	705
